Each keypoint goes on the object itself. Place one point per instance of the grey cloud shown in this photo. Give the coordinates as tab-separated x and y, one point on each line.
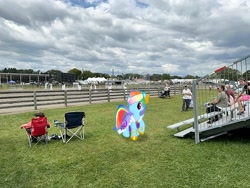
197	35
29	12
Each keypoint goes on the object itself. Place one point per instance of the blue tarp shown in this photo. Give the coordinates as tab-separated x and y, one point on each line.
12	82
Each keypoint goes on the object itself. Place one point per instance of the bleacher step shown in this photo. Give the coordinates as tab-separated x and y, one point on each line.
184	132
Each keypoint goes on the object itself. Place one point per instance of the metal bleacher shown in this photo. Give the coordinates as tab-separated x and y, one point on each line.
204	90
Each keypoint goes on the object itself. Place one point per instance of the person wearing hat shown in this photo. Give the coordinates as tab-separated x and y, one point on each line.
27	126
186	98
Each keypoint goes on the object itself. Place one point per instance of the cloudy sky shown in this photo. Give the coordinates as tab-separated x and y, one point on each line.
176	37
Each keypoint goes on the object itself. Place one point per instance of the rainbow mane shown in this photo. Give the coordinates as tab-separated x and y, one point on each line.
135	96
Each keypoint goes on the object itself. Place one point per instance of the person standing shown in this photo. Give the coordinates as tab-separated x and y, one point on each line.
186	98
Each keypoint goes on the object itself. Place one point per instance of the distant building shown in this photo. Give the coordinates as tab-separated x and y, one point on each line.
64	77
23	77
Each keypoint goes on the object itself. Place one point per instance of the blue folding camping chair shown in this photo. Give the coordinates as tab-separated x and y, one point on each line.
73	126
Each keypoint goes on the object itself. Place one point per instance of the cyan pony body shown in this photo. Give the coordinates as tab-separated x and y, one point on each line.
129	120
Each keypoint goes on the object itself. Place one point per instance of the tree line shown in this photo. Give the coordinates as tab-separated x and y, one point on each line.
83	75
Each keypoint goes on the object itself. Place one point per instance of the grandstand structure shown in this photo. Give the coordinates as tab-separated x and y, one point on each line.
21	77
37	78
204	90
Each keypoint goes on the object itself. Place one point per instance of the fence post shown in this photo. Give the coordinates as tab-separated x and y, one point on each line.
108	96
124	94
65	98
35	102
90	96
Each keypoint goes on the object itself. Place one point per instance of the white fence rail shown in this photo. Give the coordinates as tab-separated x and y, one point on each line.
39	99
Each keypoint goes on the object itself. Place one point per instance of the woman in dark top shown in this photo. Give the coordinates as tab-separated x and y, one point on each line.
244	95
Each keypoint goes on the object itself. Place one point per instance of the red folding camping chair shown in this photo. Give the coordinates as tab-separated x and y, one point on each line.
38	133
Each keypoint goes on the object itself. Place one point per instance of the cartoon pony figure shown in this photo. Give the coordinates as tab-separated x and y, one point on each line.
129	120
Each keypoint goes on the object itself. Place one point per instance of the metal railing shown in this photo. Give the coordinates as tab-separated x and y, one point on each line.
204	91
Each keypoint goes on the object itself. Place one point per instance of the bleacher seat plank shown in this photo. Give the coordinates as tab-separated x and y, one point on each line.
191	120
184	132
206	115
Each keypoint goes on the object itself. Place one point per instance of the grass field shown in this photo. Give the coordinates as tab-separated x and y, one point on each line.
106	159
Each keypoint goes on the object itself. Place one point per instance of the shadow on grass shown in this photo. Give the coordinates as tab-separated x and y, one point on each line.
143	138
240	135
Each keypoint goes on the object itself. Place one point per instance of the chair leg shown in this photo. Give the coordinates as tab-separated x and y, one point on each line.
43	139
62	132
83	133
64	136
46	138
79	133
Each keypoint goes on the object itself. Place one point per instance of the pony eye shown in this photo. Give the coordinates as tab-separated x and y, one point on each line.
139	105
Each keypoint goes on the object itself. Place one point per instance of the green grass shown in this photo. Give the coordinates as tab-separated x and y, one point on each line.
106	159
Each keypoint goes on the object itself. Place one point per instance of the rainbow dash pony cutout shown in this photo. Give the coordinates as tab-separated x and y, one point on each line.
129	120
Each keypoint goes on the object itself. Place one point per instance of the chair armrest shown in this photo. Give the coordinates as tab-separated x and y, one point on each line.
57	123
60	124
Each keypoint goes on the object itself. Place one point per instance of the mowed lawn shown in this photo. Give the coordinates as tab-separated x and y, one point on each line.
106	159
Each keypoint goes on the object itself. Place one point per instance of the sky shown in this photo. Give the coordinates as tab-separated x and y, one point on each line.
176	37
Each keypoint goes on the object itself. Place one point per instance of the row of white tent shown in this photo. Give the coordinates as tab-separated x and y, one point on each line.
94	80
181	81
98	79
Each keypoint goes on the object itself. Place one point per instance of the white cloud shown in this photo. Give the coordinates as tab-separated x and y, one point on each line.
171	68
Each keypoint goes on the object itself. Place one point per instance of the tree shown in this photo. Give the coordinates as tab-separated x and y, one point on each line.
229	74
119	77
176	77
166	77
190	77
53	71
14	70
86	74
75	71
156	77
246	75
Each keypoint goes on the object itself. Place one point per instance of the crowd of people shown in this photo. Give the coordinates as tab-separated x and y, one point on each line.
226	97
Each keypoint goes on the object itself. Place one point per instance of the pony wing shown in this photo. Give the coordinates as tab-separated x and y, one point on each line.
122	116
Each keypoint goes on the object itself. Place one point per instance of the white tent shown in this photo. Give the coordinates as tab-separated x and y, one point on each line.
96	80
